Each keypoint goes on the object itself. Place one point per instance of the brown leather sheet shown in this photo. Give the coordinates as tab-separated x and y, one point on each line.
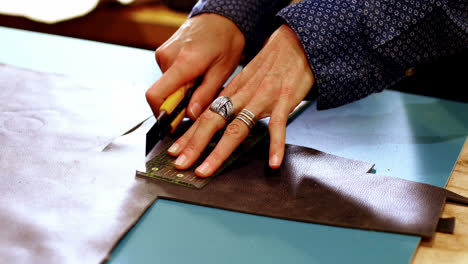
313	186
62	199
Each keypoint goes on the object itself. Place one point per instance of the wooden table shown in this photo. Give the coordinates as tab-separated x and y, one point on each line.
450	248
140	26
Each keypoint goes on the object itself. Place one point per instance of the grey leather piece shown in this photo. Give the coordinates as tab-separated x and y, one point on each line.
62	199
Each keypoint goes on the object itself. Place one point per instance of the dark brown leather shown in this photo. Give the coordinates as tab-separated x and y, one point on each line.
446	225
313	186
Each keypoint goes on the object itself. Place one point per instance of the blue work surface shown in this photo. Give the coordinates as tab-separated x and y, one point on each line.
413	137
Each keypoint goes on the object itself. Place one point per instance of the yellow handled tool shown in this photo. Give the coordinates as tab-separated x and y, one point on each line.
171	113
174	99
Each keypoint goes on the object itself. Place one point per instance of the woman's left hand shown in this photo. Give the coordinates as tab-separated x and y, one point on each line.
271	85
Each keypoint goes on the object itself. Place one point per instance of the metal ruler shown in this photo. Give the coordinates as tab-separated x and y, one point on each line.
161	166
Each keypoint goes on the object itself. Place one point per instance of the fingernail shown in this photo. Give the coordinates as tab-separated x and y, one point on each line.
204	169
173	149
196	109
274	161
180	161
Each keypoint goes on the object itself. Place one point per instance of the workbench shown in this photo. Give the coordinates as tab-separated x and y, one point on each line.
409	136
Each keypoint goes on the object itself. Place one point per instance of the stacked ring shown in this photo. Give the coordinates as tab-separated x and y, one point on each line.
247	117
223	106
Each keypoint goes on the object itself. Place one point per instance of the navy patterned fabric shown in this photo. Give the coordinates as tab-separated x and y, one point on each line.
355	47
254	18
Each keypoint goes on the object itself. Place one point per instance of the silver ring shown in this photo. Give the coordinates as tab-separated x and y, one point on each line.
247	117
223	106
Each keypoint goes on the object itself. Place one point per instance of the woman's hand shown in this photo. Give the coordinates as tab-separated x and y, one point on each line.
209	45
272	84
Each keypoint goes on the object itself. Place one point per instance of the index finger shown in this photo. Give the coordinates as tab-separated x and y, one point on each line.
180	73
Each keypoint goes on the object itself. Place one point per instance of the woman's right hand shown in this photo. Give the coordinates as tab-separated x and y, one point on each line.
209	45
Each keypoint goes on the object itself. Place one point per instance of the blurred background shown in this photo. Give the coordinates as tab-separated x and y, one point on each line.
136	23
147	24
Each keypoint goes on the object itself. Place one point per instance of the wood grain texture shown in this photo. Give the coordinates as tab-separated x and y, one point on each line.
450	248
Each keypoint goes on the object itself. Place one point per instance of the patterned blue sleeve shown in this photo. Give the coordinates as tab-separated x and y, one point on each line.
359	47
355	47
253	17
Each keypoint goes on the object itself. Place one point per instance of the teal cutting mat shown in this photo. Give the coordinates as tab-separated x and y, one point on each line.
412	137
407	136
